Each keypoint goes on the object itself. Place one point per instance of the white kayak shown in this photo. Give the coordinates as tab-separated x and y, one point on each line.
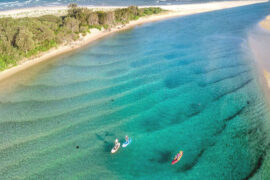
115	148
125	144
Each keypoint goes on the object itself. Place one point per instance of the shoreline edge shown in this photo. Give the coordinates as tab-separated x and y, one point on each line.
173	11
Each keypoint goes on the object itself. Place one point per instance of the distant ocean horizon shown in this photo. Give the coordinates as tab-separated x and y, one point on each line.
18	4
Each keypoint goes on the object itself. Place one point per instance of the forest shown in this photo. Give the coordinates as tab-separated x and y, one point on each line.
25	37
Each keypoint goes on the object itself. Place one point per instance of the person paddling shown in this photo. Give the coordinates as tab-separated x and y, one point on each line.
116	142
116	146
177	157
126	138
128	141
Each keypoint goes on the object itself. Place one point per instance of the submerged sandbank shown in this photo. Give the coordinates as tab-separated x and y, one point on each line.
260	47
174	11
265	24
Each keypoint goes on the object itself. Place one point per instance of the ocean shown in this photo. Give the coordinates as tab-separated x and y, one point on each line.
188	83
18	4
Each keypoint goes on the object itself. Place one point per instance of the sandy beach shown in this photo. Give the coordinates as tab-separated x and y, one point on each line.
265	24
185	8
173	11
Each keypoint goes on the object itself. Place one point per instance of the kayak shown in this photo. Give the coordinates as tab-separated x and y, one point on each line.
176	159
125	144
115	148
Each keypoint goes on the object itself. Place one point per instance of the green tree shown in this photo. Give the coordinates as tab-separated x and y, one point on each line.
121	15
72	24
72	8
93	19
24	40
78	13
106	18
110	18
46	33
24	37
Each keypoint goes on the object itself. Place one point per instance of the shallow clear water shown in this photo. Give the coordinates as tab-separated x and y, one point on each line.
17	4
182	84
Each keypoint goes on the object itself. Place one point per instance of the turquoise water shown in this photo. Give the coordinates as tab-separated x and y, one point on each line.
182	84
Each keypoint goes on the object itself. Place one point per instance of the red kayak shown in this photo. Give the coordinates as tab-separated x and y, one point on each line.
177	157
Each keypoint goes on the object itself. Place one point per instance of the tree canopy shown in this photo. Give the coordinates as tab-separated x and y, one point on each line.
24	37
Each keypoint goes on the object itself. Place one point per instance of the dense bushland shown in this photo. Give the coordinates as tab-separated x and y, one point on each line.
24	37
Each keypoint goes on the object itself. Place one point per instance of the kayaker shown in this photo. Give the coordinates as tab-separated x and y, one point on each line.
116	142
177	157
116	146
126	138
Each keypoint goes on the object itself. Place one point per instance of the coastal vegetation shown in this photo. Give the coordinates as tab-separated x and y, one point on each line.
25	37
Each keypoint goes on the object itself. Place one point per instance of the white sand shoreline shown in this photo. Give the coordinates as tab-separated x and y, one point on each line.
60	10
265	24
175	10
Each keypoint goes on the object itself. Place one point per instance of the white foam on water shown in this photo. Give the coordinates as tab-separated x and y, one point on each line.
259	41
